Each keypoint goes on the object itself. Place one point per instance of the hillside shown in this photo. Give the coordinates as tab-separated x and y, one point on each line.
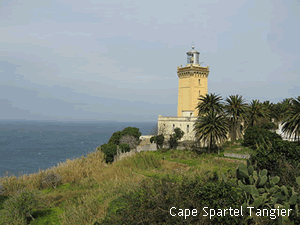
88	185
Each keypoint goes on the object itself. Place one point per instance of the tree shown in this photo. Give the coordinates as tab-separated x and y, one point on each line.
256	136
256	111
110	150
130	140
209	103
115	138
174	138
159	140
132	131
269	107
292	119
211	128
281	108
124	148
235	109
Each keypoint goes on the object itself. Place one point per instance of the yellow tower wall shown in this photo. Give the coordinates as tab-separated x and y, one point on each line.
189	87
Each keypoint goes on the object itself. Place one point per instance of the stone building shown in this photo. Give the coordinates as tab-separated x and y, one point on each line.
192	84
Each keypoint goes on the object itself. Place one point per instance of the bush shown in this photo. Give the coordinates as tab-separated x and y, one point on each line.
174	138
255	136
124	148
50	180
110	150
132	131
115	138
18	209
128	131
269	126
151	204
130	140
159	140
275	156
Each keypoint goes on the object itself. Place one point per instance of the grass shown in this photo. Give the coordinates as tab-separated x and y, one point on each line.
238	148
89	185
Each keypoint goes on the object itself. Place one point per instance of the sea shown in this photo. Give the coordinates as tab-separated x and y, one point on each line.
29	146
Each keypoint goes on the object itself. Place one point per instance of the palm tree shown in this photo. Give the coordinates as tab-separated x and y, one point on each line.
282	108
209	103
235	109
256	111
269	107
292	119
211	128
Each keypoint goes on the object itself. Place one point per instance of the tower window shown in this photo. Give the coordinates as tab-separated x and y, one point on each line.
187	128
199	81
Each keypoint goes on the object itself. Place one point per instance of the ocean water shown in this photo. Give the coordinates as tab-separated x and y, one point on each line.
27	146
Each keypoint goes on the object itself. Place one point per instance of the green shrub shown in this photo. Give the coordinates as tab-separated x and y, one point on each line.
115	138
174	138
255	136
269	126
124	147
133	131
18	209
159	140
151	204
275	156
110	150
128	131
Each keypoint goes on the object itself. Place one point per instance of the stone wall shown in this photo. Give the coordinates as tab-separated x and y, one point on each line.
123	155
235	155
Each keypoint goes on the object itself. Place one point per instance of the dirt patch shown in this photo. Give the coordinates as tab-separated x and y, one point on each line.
236	161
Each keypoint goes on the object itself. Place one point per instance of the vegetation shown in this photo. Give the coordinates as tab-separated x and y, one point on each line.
209	103
235	109
19	208
174	138
292	119
128	131
110	150
159	140
255	135
256	111
151	203
211	129
261	191
130	140
125	140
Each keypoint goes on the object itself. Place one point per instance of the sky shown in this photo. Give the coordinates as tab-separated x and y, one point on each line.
117	61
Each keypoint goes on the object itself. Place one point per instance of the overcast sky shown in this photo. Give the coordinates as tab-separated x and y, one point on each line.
93	60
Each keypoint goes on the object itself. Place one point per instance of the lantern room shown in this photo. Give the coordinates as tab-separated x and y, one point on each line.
193	57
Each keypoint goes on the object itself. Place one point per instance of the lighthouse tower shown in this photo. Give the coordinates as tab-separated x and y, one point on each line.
192	84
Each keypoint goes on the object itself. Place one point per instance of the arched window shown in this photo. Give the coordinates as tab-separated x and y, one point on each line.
187	128
198	81
199	93
173	127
